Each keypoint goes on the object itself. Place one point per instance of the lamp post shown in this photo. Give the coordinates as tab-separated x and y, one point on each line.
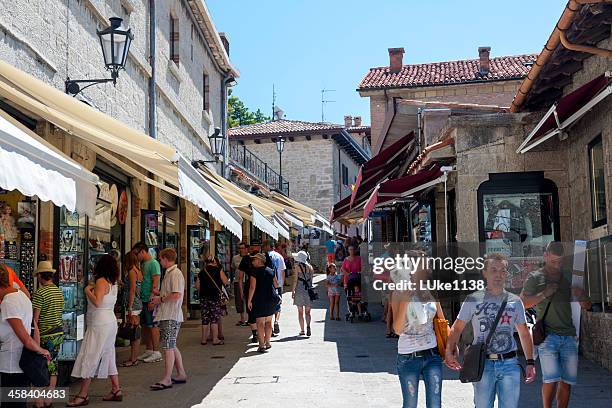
280	146
115	42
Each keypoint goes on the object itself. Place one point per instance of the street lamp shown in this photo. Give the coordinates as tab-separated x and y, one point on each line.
280	146
115	42
217	144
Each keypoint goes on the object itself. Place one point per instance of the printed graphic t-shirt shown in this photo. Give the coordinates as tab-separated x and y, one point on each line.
481	309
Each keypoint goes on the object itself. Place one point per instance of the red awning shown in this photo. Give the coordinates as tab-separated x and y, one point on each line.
340	208
381	166
567	110
392	190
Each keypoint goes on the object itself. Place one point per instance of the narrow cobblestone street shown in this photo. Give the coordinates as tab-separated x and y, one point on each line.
342	365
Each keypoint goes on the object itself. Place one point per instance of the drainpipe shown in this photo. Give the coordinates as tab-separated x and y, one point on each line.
152	90
419	130
224	127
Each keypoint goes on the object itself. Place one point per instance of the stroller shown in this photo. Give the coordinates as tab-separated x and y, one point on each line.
357	308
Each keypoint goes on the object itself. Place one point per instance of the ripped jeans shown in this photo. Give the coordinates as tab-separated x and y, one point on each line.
410	369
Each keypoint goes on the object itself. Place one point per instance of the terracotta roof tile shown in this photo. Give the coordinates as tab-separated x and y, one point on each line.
448	73
283	126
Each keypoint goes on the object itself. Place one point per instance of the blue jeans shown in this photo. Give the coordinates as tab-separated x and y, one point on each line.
410	369
501	377
559	359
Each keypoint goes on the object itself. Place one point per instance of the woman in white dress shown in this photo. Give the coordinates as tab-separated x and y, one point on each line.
97	355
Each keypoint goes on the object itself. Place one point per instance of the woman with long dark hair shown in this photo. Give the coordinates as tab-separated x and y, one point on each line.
210	283
133	302
97	355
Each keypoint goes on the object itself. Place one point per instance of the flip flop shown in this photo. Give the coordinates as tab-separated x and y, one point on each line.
175	381
220	343
203	343
159	387
129	363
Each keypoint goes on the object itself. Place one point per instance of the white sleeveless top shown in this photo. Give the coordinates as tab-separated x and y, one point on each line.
418	333
104	314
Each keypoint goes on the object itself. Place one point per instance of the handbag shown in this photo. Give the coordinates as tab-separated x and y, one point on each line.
539	330
35	368
223	296
441	330
475	354
312	294
128	331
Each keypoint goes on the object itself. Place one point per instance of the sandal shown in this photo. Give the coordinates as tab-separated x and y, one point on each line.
176	381
129	363
302	333
220	343
262	350
159	387
268	347
84	401
240	323
114	396
203	343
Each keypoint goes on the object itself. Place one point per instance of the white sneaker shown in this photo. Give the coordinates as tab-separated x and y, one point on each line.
144	355
154	357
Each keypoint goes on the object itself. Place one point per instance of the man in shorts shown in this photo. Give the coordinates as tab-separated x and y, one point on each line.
278	264
239	284
550	290
170	316
151	273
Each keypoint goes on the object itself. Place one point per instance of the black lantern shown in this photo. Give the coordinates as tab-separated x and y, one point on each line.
115	42
280	146
217	143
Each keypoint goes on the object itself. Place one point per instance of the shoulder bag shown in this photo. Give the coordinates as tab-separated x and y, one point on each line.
34	367
538	329
441	330
223	296
475	354
312	294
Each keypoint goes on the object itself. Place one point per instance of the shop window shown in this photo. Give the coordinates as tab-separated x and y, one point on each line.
174	39
205	92
344	175
598	182
518	217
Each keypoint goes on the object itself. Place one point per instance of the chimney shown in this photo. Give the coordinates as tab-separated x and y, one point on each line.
484	64
357	121
348	121
396	57
225	42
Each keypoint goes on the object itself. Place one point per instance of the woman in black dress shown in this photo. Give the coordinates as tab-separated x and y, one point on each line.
263	299
209	284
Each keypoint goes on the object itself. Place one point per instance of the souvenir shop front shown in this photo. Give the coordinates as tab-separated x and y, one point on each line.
198	241
80	241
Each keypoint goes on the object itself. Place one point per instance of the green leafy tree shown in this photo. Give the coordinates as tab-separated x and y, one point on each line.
239	114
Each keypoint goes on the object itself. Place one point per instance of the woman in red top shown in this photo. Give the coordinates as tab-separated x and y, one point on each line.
351	268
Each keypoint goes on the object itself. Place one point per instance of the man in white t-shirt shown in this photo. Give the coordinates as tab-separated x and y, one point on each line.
279	266
170	316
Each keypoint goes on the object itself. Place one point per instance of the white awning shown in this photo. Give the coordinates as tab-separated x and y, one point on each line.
193	187
264	224
295	220
283	228
35	168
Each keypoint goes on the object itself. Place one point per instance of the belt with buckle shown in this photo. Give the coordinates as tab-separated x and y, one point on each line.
505	356
425	353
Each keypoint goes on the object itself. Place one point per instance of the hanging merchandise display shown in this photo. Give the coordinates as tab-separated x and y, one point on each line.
198	240
150	231
18	234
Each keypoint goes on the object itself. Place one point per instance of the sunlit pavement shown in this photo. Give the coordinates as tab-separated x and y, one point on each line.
340	365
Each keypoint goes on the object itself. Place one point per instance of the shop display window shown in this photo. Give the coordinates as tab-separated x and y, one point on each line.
198	240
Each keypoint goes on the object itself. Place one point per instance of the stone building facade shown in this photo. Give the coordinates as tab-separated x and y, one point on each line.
320	161
64	44
483	81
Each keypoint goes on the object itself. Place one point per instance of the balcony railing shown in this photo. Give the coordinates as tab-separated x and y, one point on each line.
258	168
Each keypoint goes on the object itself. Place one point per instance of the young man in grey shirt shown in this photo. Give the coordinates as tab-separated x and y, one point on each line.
481	308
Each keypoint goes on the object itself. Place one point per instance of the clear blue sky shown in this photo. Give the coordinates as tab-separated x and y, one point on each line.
303	46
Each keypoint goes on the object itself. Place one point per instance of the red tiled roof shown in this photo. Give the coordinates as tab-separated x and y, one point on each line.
282	127
448	73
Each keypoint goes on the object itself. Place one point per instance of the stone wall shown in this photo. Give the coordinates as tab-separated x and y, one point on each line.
499	93
308	166
596	338
487	144
56	39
